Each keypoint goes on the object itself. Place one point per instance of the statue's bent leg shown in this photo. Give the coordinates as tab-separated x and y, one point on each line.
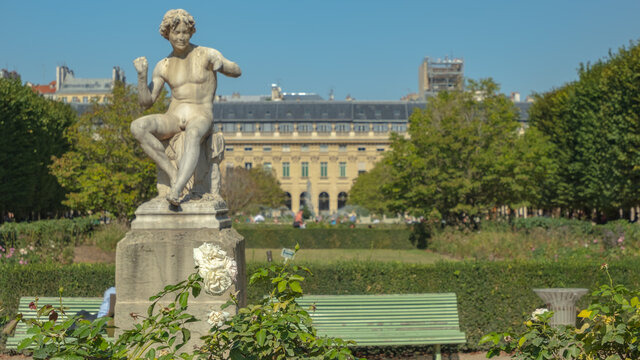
146	130
195	132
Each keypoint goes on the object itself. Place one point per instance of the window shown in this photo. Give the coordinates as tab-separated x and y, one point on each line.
362	148
229	148
248	148
360	128
267	115
248	127
342	200
267	127
323	169
323	127
396	114
378	114
285	127
75	99
249	114
343	127
286	148
305	169
323	201
324	148
342	148
266	148
305	128
362	168
380	128
285	169
399	128
343	169
304	148
228	127
380	149
64	99
267	166
231	115
248	165
85	99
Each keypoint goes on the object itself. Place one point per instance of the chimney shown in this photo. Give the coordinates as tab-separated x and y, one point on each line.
276	92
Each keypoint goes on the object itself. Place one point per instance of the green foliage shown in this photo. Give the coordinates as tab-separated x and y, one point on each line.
278	236
464	157
539	238
610	330
367	189
248	190
492	296
106	168
44	240
276	327
594	124
32	280
33	131
106	237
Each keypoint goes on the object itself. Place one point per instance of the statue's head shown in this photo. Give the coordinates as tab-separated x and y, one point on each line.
173	18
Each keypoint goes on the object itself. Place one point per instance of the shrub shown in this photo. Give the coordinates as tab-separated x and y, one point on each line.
325	238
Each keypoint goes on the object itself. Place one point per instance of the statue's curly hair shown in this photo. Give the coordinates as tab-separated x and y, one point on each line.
173	18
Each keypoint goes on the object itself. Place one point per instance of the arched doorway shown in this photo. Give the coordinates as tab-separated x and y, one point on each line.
287	200
323	201
342	200
304	199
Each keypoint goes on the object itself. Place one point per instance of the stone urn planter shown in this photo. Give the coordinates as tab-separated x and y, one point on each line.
562	301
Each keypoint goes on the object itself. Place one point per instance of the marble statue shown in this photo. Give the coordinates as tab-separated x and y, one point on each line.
182	141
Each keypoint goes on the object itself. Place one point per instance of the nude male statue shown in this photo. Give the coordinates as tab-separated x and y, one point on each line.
191	73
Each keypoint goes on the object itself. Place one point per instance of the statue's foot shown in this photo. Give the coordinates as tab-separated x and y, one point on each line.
173	199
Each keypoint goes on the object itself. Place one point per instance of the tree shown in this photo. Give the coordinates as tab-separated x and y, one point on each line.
106	169
594	124
246	190
33	131
367	189
464	156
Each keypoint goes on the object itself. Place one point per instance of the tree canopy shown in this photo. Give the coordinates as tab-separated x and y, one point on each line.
248	190
594	125
106	169
32	129
464	155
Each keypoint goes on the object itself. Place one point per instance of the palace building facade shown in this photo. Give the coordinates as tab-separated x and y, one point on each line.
315	148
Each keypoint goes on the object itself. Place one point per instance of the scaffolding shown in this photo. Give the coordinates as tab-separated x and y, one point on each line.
436	75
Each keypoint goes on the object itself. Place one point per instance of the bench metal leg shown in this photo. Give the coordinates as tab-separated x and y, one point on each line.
437	355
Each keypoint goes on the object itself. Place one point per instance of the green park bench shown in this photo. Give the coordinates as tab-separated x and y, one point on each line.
379	320
72	306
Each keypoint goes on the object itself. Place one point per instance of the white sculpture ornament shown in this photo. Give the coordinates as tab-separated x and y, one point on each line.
182	141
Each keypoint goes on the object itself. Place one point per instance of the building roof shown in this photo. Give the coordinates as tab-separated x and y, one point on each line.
315	111
524	110
45	89
73	85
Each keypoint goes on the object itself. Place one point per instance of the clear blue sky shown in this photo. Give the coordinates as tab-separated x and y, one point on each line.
370	49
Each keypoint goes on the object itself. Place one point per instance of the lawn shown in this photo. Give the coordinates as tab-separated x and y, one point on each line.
333	255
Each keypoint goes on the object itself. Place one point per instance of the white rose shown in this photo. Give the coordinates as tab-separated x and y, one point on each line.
217	318
537	313
216	268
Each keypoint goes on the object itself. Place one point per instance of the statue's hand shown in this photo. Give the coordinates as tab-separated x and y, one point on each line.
141	65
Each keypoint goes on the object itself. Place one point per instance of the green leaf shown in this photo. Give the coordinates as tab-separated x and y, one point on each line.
295	286
261	335
282	285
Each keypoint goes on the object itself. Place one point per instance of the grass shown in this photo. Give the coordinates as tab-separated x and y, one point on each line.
334	255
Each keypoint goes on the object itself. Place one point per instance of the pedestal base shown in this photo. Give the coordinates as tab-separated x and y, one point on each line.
204	213
148	260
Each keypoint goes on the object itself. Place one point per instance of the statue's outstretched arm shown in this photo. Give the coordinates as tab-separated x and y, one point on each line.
224	66
148	94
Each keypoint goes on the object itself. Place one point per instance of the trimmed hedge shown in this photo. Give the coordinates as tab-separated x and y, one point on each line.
325	238
46	279
493	296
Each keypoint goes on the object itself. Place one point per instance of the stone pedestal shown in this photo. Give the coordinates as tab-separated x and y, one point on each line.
158	251
562	301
